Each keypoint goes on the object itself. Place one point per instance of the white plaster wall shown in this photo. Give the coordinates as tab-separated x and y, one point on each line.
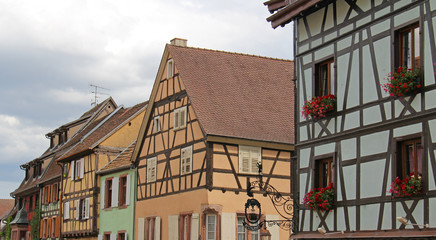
432	127
350	182
343	61
369	86
374	143
303	189
388	111
341	4
352	218
363	21
416	103
429	76
372	115
382	12
306	219
303	133
308	78
329	23
228	223
324	52
371	177
304	157
348	149
407	130
418	213
274	230
341	216
353	92
387	215
406	16
430	99
323	149
431	174
302	34
380	27
343	43
432	207
330	36
307	58
331	127
382	52
352	120
369	216
432	5
315	21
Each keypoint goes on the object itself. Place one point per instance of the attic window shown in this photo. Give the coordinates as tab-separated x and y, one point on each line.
170	68
156	124
180	117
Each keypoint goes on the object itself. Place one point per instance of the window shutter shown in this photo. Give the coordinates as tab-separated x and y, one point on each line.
77	209
182	117
188	159
115	182
57	227
157	228
82	167
176	119
40	230
244	161
102	192
87	208
141	225
67	210
48	229
73	164
113	236
195	223
127	190
100	237
125	236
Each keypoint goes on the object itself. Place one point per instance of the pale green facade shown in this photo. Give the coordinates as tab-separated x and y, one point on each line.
116	219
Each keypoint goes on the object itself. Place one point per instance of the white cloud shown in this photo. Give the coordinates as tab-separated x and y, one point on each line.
20	141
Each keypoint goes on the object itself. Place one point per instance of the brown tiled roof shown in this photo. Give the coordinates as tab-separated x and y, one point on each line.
52	171
287	10
238	95
86	139
5	206
121	161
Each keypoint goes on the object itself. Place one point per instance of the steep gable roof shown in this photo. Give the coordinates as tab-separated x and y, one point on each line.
238	95
5	206
122	161
233	95
100	129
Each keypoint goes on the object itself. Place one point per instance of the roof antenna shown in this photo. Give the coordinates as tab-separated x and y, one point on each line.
97	93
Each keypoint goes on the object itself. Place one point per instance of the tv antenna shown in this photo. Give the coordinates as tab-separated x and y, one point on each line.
97	93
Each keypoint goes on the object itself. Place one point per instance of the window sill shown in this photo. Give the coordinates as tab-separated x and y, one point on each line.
122	207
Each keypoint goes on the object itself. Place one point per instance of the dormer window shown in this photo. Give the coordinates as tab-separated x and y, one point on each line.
170	68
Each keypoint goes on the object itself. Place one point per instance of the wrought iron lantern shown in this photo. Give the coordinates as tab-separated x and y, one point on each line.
284	205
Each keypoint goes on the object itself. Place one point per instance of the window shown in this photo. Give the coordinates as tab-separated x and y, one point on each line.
186	160
108	193
170	68
185	227
248	159
180	117
31	203
82	208
107	236
152	228
243	232
122	236
45	194
77	169
44	227
323	172
410	158
324	78
211	227
151	169
156	124
408	48
123	191
53	227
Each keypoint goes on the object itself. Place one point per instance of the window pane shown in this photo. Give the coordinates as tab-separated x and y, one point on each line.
416	48
419	151
254	235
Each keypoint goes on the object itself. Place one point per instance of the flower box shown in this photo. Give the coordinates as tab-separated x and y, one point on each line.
318	107
410	186
320	198
402	82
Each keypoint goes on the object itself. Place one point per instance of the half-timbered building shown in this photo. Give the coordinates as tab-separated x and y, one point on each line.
377	143
212	117
39	189
91	149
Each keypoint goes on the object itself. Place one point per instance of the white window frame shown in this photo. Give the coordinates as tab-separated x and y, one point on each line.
254	155
151	169
239	224
66	210
178	121
185	160
170	68
77	169
156	124
213	228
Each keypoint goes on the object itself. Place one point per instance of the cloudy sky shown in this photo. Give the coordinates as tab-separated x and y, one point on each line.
51	51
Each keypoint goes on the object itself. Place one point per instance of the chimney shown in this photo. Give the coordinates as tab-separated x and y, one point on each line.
179	42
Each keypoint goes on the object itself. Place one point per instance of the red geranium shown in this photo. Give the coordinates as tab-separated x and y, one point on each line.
317	107
410	186
320	198
402	81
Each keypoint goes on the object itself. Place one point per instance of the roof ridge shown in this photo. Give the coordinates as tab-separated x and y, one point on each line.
235	53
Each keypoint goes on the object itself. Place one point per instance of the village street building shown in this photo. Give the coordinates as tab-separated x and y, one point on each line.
212	117
375	137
